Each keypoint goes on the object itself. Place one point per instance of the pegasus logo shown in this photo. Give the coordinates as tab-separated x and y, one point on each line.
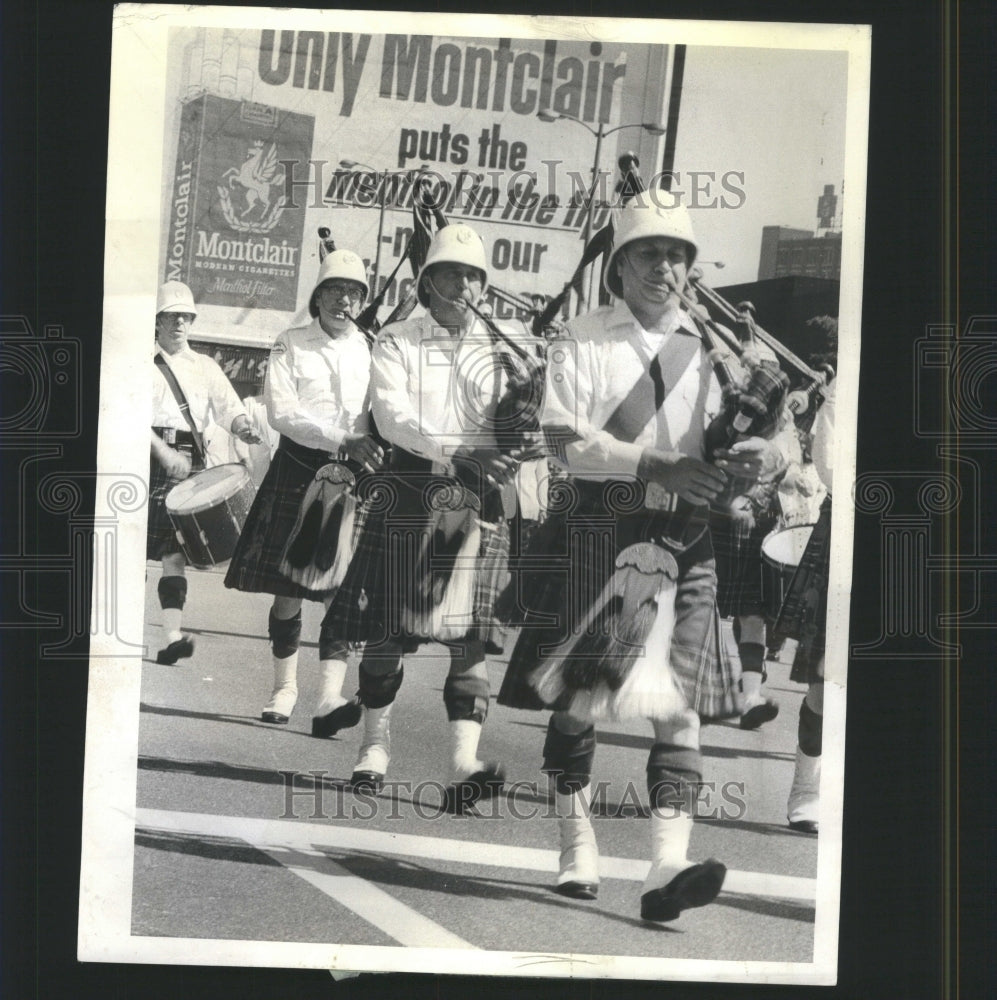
258	174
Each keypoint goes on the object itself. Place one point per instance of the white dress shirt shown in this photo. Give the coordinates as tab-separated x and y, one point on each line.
316	386
593	370
431	392
209	393
822	449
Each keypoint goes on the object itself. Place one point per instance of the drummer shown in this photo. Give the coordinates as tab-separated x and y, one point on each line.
316	398
188	390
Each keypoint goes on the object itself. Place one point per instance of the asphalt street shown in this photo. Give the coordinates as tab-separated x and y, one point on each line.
248	831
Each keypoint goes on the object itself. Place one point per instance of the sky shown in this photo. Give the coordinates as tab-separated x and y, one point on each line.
778	117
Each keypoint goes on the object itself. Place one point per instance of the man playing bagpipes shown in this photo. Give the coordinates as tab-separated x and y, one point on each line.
631	594
189	389
433	552
803	617
738	527
297	540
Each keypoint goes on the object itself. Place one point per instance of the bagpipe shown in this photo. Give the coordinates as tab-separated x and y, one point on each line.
610	666
516	421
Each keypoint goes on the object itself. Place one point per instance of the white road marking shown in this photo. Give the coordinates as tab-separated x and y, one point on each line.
309	837
407	926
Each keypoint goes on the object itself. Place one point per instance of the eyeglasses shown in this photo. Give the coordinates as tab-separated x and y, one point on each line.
177	317
333	291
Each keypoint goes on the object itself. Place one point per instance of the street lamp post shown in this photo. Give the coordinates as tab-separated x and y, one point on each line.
600	133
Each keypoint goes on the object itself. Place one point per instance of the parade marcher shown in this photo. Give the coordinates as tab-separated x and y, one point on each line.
634	396
804	617
189	390
435	386
316	398
738	532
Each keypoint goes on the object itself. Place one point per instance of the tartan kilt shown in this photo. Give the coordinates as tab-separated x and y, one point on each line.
803	615
570	575
161	536
737	545
368	604
255	564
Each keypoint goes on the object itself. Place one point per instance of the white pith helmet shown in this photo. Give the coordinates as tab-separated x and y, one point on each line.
640	220
454	244
344	265
175	297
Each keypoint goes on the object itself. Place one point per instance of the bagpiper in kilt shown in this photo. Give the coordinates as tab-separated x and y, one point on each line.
369	605
738	530
189	390
433	554
299	535
803	617
630	395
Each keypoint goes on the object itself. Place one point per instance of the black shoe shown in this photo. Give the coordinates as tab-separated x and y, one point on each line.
178	650
367	782
483	784
696	886
342	717
803	826
759	714
275	718
578	890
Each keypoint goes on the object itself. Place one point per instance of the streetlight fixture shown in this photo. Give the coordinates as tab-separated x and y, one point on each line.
600	133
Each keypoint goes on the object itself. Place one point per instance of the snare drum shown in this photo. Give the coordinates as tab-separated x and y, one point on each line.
208	512
782	551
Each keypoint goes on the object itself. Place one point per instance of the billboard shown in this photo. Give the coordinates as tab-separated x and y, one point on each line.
497	124
233	236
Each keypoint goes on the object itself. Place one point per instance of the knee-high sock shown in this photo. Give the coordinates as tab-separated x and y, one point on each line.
172	592
569	757
810	731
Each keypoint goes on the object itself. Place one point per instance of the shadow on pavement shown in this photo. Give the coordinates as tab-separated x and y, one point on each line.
803	912
238	772
199	845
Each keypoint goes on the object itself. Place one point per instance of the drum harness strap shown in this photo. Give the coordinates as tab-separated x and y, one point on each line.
171	381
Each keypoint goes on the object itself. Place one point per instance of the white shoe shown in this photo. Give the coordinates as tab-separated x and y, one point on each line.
578	865
284	696
375	751
803	810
